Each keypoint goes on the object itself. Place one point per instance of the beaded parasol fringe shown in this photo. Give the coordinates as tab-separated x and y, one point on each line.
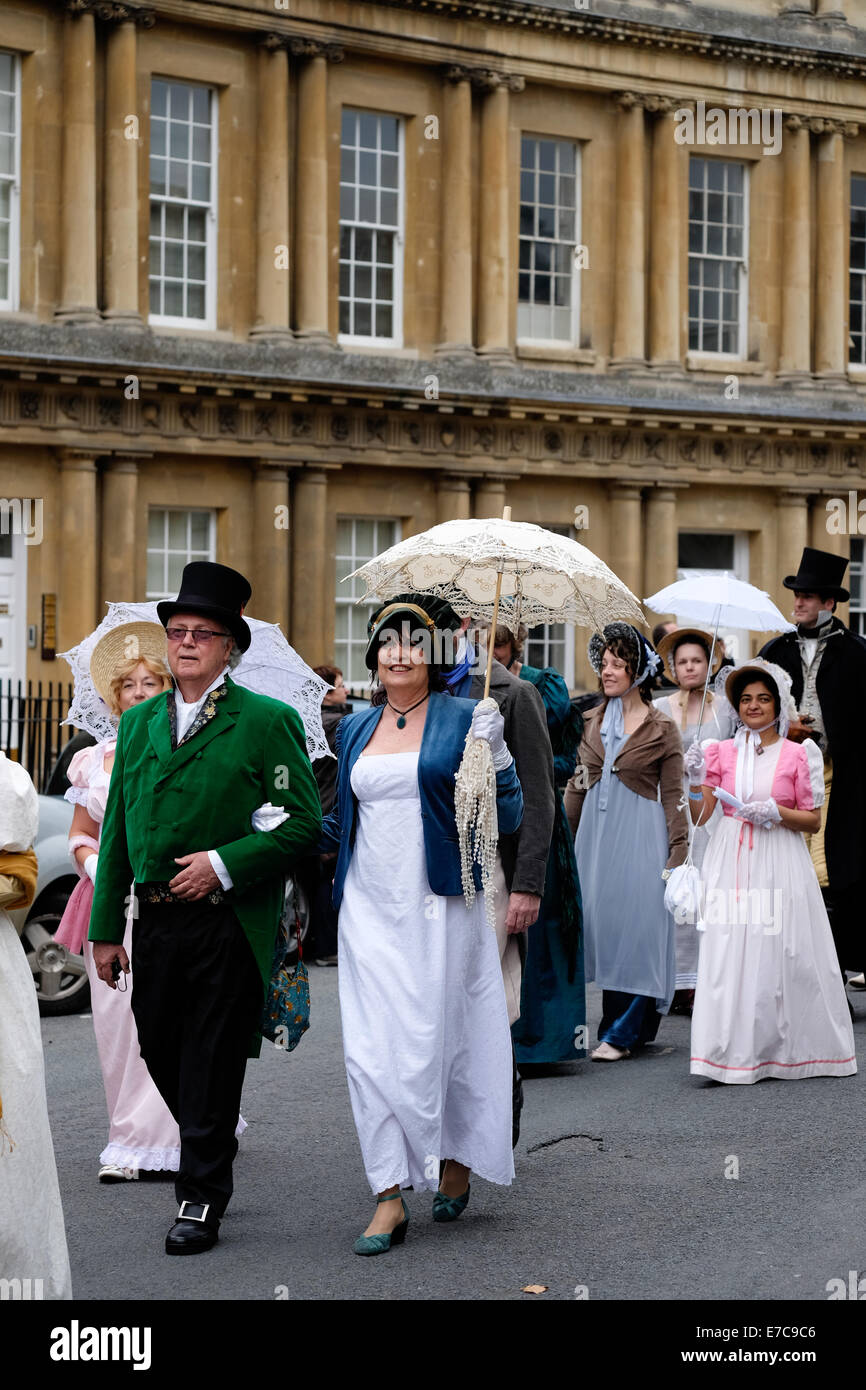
477	821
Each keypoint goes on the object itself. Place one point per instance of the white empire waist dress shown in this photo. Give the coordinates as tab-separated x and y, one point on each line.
769	999
425	1023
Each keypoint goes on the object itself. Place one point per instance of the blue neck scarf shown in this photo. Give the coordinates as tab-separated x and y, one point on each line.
612	734
460	679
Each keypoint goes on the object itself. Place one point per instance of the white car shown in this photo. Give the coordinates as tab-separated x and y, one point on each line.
59	977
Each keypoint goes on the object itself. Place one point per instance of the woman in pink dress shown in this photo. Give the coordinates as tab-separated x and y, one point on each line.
127	666
769	999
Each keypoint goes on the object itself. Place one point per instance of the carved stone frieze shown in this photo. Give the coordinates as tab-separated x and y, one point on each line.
382	434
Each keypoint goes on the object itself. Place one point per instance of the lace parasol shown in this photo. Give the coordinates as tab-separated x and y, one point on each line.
546	578
269	667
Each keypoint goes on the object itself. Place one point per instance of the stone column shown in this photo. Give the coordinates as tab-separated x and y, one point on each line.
456	220
660	555
792	533
119	567
77	611
272	193
78	300
452	497
795	345
490	495
838	543
831	355
120	209
495	290
270	578
625	557
311	626
629	304
665	243
311	193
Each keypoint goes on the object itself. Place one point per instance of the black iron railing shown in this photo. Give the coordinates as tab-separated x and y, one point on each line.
30	729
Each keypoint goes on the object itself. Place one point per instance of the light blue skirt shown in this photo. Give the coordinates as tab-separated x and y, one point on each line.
629	936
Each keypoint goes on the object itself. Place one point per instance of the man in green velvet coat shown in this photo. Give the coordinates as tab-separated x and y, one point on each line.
191	768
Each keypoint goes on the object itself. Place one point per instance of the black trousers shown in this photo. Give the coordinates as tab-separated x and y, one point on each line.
197	1000
845	910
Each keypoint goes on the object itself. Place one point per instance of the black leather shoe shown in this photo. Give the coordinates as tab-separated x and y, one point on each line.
193	1232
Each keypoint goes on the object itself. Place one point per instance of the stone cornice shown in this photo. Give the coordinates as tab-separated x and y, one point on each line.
279	410
86	424
683	34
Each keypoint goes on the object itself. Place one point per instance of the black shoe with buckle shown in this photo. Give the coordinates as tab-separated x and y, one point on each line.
194	1231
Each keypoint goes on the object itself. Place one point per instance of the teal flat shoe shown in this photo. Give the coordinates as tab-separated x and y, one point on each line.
378	1244
449	1208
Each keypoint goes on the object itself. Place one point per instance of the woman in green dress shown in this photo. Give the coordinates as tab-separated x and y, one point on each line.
552	1022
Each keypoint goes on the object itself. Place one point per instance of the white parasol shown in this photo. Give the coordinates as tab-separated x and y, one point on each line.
714	599
499	570
269	666
523	572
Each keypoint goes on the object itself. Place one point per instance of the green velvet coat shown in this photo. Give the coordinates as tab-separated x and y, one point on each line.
242	750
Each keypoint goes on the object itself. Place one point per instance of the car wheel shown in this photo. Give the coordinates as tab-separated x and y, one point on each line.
61	982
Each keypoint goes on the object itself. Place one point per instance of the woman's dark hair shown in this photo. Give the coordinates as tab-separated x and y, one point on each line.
617	646
690	639
739	684
328	673
435	681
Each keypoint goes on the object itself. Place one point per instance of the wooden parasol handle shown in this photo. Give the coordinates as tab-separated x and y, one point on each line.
506	516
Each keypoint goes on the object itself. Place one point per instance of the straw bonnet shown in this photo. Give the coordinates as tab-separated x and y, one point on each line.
673	639
138	640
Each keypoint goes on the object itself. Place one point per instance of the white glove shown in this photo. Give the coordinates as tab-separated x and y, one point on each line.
763	813
268	817
90	866
488	723
695	764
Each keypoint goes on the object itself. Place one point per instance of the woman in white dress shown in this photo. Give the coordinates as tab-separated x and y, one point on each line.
32	1235
769	999
127	666
425	1022
685	653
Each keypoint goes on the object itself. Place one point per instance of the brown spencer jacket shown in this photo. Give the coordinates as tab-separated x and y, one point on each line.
649	762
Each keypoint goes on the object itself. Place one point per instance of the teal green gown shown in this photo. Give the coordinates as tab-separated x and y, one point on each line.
552	1023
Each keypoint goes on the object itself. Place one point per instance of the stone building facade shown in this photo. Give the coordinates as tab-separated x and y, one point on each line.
282	281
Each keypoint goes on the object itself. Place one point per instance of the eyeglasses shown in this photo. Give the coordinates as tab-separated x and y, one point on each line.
198	634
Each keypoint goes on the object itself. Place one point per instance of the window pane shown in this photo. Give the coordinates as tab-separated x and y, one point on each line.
368	130
363	320
201	144
195	302
384	320
173	299
201	105
389	132
177	530
195	224
175	568
155	566
199	530
158	92
200	183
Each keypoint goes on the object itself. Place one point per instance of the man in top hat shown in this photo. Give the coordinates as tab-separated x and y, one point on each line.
192	766
827	666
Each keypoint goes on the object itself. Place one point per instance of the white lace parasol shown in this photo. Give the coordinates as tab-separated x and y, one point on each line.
546	578
269	667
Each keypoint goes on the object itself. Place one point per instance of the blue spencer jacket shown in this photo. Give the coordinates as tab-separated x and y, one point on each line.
445	728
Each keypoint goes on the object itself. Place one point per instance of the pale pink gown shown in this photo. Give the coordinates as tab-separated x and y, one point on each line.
141	1131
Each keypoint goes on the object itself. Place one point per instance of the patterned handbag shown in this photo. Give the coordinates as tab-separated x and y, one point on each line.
286	1015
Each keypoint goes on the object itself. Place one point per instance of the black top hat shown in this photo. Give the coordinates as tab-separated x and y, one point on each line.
214	591
820	572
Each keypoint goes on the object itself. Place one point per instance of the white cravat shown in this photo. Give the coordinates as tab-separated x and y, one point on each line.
186	714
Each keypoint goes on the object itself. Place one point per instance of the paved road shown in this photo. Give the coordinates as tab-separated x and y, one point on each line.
620	1193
